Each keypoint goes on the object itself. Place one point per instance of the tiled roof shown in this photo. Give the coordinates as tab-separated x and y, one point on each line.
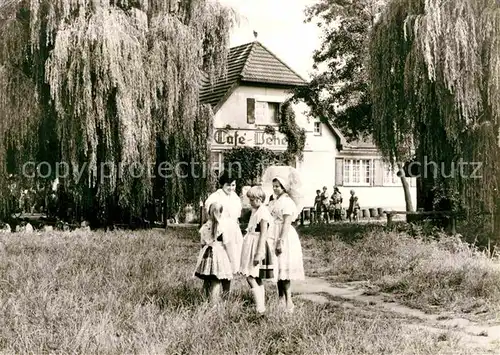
364	142
252	63
236	60
361	144
263	66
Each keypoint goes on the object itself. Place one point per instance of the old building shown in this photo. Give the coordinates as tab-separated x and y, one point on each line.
247	100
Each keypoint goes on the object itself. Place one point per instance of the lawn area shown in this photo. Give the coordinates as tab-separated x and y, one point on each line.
422	269
133	292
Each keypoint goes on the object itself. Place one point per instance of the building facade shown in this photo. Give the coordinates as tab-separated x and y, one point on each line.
248	99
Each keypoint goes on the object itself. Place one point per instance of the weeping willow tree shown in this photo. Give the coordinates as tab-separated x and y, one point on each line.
110	88
435	86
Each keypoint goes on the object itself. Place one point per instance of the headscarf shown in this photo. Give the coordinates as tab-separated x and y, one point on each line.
283	183
290	179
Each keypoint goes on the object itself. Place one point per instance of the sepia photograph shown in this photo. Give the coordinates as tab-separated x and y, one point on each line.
250	177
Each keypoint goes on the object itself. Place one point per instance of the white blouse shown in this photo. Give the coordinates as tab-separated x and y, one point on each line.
282	206
206	236
231	204
261	214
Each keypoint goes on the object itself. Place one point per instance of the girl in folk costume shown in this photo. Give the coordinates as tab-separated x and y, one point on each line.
287	244
257	253
228	198
214	263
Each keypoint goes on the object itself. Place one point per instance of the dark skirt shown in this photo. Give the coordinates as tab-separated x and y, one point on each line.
266	269
213	261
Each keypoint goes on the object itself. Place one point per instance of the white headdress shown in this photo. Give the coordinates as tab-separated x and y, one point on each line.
289	178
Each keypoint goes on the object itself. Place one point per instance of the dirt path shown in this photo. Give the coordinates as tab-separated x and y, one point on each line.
482	337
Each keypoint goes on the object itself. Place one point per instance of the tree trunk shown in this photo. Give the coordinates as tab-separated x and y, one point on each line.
165	212
496	209
496	221
406	189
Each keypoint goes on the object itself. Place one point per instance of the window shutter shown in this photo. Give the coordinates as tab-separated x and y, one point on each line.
339	171
250	110
378	173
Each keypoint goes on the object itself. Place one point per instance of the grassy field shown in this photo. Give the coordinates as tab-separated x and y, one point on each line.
421	271
132	292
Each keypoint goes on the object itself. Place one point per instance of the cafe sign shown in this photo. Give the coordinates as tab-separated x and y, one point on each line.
230	138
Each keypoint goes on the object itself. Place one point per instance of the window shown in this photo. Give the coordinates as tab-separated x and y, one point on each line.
366	174
347	171
266	113
216	162
390	176
358	171
274	111
317	128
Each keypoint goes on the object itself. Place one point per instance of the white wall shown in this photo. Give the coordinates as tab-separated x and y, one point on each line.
318	164
318	170
387	197
234	113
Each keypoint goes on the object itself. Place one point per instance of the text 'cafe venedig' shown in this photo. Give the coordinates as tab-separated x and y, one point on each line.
248	137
